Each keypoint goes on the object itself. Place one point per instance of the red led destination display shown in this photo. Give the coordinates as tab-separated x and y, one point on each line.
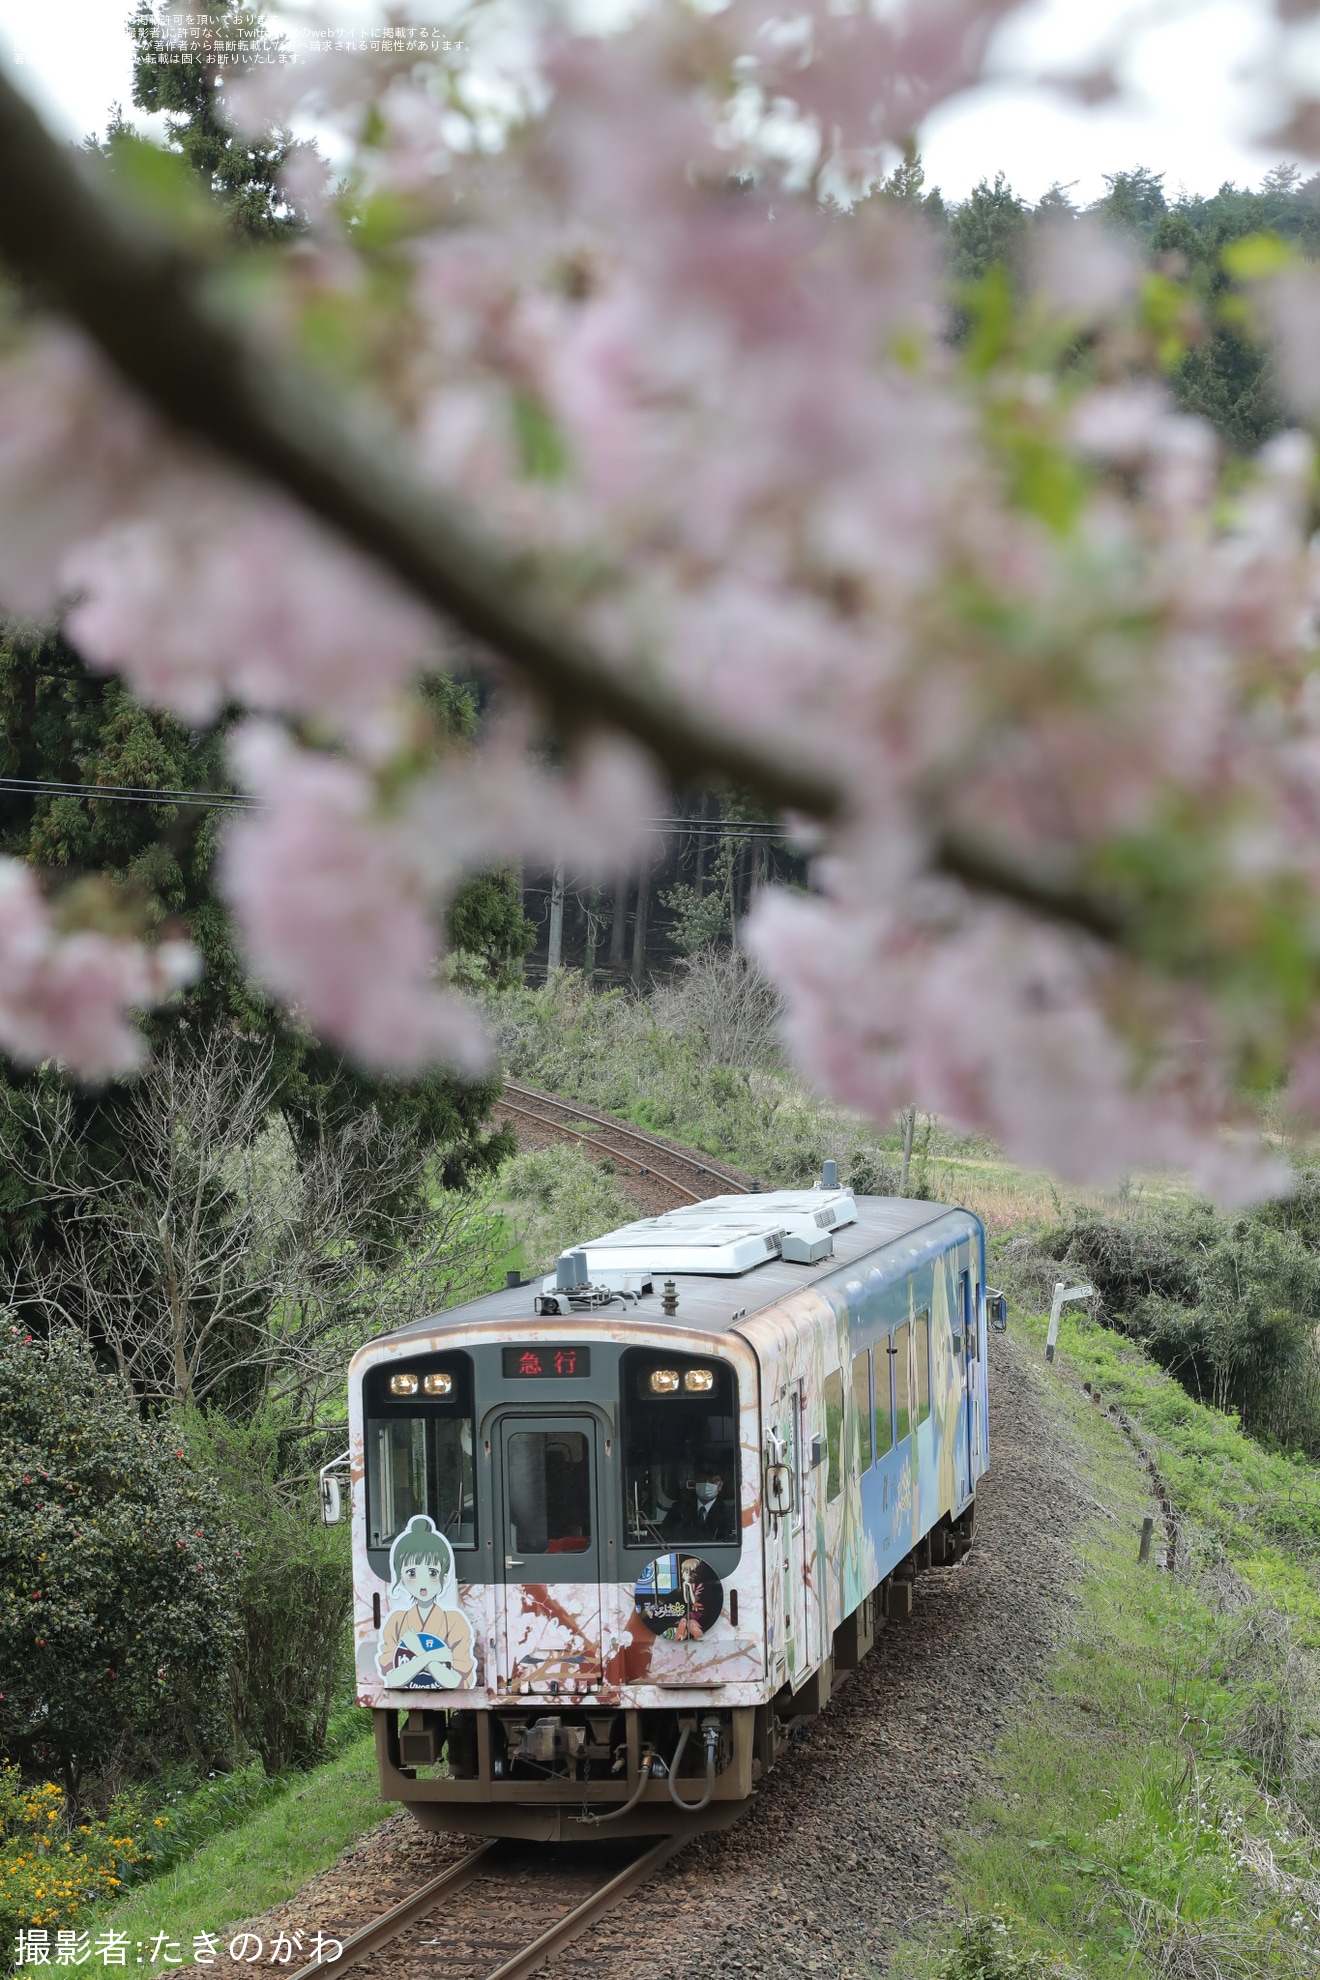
522	1363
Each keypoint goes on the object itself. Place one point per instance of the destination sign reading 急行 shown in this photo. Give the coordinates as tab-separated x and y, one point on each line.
552	1358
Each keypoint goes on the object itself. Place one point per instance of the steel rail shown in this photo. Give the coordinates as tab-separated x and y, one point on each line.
616	1154
648	1141
361	1944
582	1915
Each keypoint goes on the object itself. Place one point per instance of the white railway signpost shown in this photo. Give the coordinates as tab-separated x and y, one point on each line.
1062	1294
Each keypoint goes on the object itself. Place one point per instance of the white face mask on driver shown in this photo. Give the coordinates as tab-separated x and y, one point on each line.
708	1491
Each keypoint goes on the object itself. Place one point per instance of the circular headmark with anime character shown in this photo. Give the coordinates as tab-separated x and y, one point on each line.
679	1596
426	1640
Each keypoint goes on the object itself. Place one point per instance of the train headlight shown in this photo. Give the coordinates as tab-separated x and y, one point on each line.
404	1383
699	1381
439	1385
664	1381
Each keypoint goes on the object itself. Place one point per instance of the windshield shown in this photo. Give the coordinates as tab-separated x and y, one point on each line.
680	1451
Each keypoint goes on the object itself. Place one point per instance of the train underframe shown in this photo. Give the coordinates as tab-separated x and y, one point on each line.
572	1775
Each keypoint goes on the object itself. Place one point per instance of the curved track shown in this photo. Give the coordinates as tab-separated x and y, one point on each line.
512	1901
691	1177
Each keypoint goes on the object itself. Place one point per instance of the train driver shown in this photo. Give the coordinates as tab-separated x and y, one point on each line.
706	1513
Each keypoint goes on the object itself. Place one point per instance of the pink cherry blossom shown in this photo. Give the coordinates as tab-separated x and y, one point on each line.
1002	601
68	996
74	448
220	592
334	912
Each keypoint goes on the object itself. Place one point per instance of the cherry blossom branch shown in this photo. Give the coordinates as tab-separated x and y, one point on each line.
142	299
983	870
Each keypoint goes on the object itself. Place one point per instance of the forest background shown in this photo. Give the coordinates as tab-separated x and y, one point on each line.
183	1407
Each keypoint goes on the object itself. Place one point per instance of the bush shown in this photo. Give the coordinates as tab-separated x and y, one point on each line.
697	1061
116	1573
291	1652
558	1199
1230	1306
985	1951
52	1870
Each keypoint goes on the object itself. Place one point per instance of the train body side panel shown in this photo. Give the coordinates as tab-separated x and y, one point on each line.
853	1523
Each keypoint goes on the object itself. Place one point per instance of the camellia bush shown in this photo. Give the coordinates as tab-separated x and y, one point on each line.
605	355
117	1576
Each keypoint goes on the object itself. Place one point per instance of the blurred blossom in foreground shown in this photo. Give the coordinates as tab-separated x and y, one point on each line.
1054	653
69	995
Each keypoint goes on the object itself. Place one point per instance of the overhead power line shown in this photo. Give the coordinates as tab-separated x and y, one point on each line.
723	828
127	793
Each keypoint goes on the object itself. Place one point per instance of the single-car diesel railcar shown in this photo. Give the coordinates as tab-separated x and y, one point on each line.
614	1531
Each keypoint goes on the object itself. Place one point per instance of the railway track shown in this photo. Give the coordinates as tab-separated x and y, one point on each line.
690	1176
427	1933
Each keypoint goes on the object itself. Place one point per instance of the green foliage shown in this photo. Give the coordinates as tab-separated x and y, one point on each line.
117	1574
59	723
52	1869
985	1951
291	1651
488	929
698	1060
700	919
1229	1305
1134	202
987	230
241	173
299	1824
1197	247
1151	1810
557	1197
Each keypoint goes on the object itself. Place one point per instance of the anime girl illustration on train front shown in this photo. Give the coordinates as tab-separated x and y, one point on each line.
427	1643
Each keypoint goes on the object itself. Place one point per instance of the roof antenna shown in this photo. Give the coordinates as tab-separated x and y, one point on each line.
829	1175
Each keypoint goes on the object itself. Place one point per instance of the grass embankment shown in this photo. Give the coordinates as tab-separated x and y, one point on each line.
1149	1813
258	1861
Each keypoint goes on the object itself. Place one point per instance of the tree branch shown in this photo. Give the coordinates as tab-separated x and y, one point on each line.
142	299
1055	897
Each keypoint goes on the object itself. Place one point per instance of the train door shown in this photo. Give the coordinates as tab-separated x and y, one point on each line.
550	1552
805	1534
787	1432
967	1319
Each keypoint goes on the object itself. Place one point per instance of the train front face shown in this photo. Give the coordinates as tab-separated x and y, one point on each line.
557	1550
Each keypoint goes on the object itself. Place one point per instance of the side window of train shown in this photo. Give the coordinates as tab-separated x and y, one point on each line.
901	1357
862	1397
884	1382
921	1341
834	1432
